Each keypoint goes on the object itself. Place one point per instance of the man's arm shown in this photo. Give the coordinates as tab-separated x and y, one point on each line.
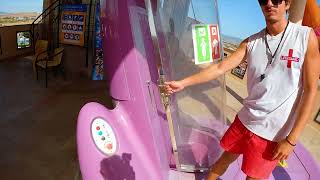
215	70
311	71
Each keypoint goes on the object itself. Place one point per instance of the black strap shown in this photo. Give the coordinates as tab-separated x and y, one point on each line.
290	142
267	45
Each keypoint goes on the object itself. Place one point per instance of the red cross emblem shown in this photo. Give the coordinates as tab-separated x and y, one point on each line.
290	58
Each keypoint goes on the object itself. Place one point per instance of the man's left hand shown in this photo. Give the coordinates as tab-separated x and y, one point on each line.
282	151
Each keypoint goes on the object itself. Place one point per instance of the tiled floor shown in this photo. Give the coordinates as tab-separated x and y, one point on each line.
37	125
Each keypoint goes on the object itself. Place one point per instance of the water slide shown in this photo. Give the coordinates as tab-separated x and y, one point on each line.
148	135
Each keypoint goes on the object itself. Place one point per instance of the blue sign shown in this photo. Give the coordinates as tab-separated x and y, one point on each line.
73	24
75	7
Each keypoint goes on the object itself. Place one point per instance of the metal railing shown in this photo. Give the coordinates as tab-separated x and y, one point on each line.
47	24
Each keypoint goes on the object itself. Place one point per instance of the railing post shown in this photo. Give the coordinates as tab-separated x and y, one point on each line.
88	34
58	30
33	38
0	45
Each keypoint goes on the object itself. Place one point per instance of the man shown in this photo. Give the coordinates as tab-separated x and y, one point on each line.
283	68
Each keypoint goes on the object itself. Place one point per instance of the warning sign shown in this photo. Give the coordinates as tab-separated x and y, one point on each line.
72	24
206	43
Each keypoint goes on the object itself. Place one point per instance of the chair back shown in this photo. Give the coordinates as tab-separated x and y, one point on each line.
57	57
41	45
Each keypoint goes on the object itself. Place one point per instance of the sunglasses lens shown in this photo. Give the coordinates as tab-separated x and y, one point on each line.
274	2
263	2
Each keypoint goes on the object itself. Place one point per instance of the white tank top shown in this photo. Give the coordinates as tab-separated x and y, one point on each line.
269	110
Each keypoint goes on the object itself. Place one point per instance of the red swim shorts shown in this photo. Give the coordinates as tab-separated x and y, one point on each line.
257	152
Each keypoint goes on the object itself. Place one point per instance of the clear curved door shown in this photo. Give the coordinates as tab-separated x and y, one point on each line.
186	33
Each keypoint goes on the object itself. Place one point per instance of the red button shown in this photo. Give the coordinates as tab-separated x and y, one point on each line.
98	128
109	146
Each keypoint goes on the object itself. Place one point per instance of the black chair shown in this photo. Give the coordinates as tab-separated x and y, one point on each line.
53	61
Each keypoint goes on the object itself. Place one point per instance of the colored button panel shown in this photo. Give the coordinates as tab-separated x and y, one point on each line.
104	136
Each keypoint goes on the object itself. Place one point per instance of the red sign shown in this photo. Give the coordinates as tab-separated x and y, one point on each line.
215	41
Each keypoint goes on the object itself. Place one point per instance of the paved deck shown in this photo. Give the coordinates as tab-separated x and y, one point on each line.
37	125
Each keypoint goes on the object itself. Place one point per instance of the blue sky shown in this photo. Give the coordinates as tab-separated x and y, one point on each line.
240	18
12	6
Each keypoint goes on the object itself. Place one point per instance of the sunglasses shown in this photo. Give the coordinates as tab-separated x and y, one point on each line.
274	2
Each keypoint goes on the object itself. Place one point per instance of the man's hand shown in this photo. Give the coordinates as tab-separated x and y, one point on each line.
173	87
282	151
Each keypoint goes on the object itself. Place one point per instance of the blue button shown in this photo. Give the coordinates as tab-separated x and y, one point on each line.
100	133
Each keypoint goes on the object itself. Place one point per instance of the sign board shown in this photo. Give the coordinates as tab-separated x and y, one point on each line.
73	22
206	43
240	70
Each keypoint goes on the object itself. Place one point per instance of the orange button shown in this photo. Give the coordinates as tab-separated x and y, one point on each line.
109	146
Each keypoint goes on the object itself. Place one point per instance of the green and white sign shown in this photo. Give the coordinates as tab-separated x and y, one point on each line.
206	43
